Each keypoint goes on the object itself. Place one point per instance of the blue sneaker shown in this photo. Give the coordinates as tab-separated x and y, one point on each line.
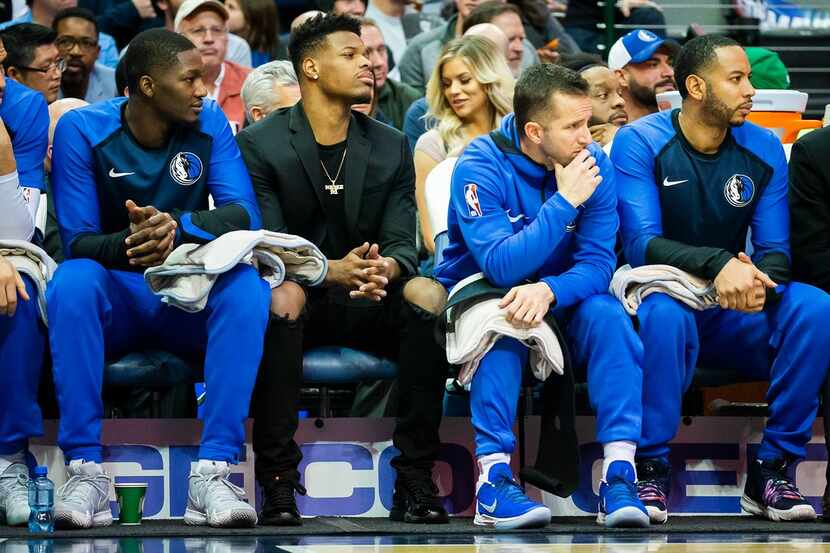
619	506
502	504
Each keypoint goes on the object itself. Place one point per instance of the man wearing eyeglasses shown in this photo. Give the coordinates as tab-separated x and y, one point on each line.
205	23
33	59
77	42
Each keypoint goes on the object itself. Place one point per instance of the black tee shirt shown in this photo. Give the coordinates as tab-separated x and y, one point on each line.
333	159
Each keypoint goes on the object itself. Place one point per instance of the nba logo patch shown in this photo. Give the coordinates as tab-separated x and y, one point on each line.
471	196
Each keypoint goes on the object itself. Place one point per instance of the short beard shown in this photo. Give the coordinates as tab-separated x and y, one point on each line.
717	113
642	94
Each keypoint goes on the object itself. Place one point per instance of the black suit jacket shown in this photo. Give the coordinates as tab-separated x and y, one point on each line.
281	155
810	209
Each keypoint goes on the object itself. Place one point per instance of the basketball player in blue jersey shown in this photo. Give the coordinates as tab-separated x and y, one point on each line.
692	183
131	182
533	207
24	125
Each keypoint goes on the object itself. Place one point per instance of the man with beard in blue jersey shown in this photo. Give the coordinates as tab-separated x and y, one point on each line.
692	185
24	125
131	179
533	208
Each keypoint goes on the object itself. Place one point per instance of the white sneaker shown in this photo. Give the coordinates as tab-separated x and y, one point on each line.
214	500
14	495
84	500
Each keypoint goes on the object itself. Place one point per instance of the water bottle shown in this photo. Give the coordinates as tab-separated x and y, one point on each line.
41	502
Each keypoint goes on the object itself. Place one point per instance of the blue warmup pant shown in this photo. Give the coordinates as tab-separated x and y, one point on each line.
97	315
601	337
786	344
22	344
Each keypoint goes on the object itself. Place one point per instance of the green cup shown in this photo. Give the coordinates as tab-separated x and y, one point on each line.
130	502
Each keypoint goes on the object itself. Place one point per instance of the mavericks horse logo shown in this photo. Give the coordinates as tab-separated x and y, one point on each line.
739	190
185	168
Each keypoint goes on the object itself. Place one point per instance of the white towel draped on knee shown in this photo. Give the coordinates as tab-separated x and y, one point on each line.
33	262
632	286
186	277
481	325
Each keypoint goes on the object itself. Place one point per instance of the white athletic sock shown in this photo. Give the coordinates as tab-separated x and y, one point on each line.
618	451
12	458
487	461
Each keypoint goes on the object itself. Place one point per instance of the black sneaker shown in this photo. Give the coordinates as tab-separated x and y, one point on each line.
653	484
771	494
416	499
279	507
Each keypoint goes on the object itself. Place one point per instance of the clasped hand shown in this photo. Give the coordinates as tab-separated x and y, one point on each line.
741	286
364	272
152	235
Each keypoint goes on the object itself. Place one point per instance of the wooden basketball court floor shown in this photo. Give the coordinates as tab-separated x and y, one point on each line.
492	543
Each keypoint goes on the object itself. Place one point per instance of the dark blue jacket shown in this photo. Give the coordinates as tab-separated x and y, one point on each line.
693	211
98	165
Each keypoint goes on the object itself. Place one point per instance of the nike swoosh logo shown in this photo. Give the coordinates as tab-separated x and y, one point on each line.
515	219
667	182
114	175
490	508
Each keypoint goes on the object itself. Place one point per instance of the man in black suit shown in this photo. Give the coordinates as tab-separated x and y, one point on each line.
810	209
345	182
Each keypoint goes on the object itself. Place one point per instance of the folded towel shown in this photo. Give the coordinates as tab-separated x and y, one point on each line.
483	322
189	272
632	286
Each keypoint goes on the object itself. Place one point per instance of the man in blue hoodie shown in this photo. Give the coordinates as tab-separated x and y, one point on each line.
533	207
24	125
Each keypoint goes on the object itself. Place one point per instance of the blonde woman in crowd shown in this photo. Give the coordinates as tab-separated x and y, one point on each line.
469	92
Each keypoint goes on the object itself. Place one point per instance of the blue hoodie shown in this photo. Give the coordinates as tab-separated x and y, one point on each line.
507	219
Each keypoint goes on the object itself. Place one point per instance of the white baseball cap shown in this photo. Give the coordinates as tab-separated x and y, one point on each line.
191	7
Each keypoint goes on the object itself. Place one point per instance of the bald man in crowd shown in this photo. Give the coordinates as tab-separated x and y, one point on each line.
604	90
492	32
52	241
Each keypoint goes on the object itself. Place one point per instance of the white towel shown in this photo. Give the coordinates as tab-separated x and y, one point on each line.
32	261
189	272
479	327
632	286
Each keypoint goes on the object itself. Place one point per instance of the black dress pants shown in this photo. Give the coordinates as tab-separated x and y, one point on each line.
392	328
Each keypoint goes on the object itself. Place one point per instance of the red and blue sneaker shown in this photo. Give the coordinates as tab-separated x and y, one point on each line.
501	503
770	493
653	484
619	506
